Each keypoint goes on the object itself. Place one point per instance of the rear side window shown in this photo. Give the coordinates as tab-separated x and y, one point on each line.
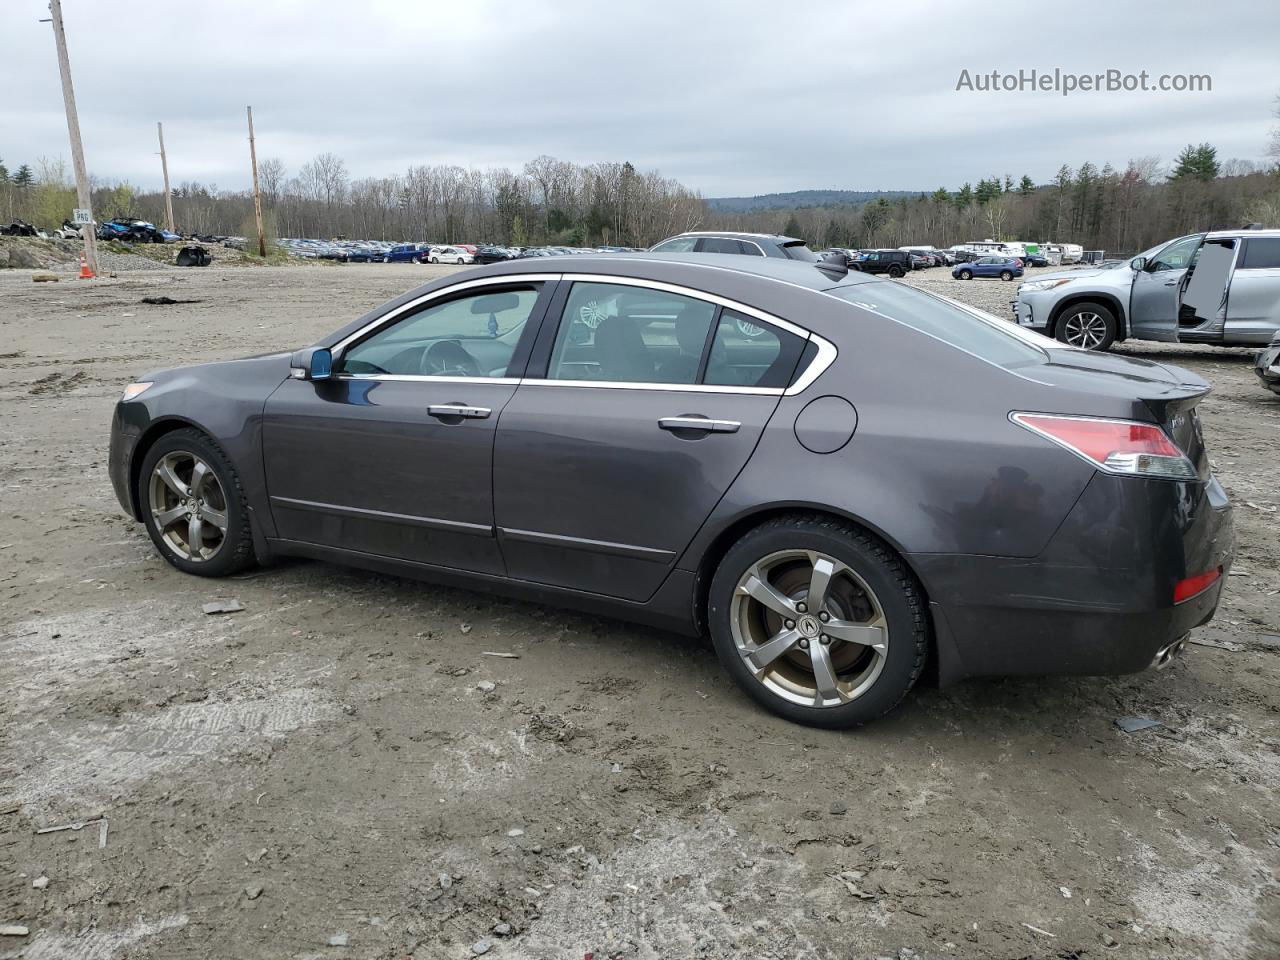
720	245
747	352
676	245
1260	253
992	340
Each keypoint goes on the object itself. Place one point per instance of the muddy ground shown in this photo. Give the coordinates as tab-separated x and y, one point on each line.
322	767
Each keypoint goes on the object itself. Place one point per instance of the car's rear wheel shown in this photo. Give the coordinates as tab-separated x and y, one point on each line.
386	259
435	259
966	274
1090	326
1006	275
896	272
194	507
818	621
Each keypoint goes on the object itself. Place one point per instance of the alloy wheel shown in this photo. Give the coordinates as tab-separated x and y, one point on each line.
1085	329
808	628
188	506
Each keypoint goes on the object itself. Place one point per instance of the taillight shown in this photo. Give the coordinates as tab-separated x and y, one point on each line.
1191	587
1125	447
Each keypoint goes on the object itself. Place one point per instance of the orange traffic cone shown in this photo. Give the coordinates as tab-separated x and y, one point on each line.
85	272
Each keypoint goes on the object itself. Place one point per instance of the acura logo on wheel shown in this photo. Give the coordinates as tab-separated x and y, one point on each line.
807	626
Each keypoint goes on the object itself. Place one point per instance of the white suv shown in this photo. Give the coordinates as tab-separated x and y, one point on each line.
1217	288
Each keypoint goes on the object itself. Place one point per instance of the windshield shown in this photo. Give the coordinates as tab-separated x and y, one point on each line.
973	331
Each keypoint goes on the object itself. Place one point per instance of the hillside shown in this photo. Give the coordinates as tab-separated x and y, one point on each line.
802	198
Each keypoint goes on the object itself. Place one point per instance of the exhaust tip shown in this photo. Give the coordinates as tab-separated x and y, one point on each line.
1169	652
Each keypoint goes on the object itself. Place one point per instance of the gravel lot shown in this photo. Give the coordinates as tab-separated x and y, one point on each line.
325	768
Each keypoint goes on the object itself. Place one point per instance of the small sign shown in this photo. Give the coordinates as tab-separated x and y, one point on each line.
81	217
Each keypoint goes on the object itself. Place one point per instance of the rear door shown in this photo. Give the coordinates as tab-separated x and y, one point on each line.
641	406
1253	304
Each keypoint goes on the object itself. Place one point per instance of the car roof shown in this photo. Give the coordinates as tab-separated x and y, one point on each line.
1242	232
666	266
738	233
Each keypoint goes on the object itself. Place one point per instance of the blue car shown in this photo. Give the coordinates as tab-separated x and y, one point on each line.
1006	268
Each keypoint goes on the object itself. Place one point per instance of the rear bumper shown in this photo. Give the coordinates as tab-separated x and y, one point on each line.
1099	599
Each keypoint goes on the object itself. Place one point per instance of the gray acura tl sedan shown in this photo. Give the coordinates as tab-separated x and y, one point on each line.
845	481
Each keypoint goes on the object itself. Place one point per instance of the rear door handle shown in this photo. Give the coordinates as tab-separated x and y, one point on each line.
699	423
459	410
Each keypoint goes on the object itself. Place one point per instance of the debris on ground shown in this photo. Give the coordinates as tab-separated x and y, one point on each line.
465	628
39	883
1219	644
486	686
339	940
502	929
1134	724
253	891
504	656
13	930
850	879
481	947
43	278
166	301
222	606
1043	933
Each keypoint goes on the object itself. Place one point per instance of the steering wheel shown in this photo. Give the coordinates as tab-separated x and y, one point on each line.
448	358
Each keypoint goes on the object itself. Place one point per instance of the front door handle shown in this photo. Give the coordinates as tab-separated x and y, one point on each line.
461	410
699	423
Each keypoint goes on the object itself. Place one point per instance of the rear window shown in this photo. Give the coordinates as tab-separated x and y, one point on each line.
797	250
993	340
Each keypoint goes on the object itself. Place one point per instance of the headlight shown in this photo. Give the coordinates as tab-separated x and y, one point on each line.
1033	285
134	389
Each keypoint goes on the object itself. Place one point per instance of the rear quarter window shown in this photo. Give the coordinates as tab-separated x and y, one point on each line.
993	340
1260	253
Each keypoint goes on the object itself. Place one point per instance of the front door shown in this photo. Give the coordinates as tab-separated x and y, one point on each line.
612	455
393	456
1156	290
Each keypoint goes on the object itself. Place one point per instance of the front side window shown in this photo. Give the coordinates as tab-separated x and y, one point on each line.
1176	256
621	333
676	245
470	336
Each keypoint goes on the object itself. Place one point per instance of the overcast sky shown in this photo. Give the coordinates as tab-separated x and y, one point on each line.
730	98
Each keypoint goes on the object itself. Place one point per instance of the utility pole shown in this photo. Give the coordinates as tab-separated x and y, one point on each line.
164	165
257	195
73	128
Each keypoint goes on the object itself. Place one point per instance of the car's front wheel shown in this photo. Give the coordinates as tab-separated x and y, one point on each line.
1090	326
194	507
818	621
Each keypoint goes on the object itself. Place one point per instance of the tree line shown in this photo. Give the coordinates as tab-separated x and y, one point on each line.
554	201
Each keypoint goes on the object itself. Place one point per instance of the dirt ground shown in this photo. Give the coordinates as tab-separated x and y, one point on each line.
323	768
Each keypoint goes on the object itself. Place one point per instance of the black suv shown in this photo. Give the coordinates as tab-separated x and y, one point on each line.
749	244
896	263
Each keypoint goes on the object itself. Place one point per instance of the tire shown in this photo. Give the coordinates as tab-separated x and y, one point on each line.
855	267
435	259
230	550
1006	275
966	274
386	259
872	593
896	272
1088	325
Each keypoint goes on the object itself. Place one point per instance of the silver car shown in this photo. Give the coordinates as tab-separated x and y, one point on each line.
1218	288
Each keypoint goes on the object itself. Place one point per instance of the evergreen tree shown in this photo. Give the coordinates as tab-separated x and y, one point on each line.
1026	186
940	196
793	228
1196	163
1008	183
4	173
964	197
24	177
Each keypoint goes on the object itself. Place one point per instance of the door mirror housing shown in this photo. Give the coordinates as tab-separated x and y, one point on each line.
1138	263
313	363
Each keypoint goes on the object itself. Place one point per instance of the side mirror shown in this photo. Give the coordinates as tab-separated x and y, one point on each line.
1138	263
312	364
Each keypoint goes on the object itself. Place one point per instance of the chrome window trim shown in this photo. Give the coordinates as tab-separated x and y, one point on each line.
662	387
827	351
